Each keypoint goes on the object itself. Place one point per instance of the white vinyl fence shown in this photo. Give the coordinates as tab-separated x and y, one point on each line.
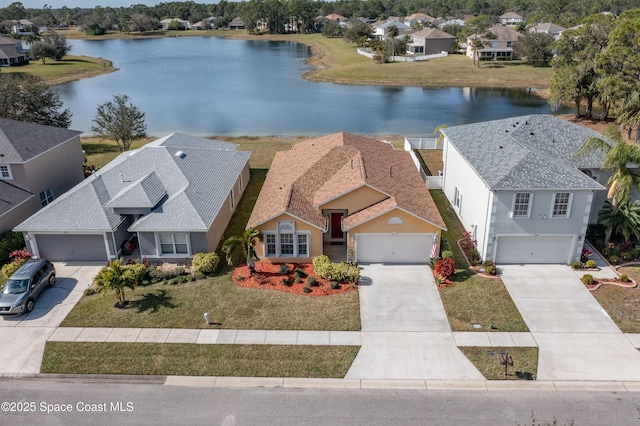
432	182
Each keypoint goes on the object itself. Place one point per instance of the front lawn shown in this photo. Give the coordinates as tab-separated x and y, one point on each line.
198	360
473	298
231	307
622	304
487	361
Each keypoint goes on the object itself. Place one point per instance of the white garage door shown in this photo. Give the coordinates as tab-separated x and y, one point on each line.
389	248
542	249
71	247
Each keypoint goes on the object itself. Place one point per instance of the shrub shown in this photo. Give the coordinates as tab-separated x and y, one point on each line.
182	279
285	282
614	259
444	245
587	279
178	271
9	242
322	266
312	282
439	279
487	263
283	269
625	255
446	268
596	233
334	285
447	254
240	277
198	275
190	277
625	245
89	291
432	262
172	281
336	271
297	279
624	278
590	264
155	274
576	265
205	262
299	272
10	268
139	271
474	256
491	270
306	289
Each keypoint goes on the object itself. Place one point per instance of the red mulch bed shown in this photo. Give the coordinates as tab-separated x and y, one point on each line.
267	277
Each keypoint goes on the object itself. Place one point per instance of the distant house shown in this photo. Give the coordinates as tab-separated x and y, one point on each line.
458	22
37	164
498	48
422	18
346	192
521	193
510	19
175	196
184	24
548	28
12	53
22	26
336	17
380	28
236	24
429	41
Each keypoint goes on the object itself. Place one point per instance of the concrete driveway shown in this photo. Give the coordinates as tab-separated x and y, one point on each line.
405	332
24	336
577	339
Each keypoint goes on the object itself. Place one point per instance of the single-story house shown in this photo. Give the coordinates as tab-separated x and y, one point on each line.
510	19
186	25
548	28
345	193
12	52
518	188
37	164
498	48
422	18
429	41
336	17
236	24
172	198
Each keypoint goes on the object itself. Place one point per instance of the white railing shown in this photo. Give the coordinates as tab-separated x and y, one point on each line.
432	182
368	54
422	143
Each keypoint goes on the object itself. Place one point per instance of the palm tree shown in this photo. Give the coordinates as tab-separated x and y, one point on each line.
243	247
393	32
476	46
440	134
622	220
116	277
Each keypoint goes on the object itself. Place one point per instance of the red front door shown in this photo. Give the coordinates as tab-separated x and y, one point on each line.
336	225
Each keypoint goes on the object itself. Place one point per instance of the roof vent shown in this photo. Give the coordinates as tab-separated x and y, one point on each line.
532	134
500	146
180	154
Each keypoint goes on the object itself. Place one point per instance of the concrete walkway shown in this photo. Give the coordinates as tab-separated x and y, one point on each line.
577	339
405	332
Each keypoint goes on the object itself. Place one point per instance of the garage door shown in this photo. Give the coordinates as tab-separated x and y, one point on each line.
543	249
64	248
389	248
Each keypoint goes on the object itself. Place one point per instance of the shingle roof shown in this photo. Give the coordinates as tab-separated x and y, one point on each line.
527	152
432	33
510	15
419	15
321	169
547	27
11	196
20	141
196	185
503	34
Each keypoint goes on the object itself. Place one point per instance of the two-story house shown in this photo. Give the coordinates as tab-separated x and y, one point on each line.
37	164
518	188
498	47
12	53
510	19
430	41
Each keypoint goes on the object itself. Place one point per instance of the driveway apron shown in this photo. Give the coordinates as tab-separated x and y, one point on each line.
405	332
24	336
577	339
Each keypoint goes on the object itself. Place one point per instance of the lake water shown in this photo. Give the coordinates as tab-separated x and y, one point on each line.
213	86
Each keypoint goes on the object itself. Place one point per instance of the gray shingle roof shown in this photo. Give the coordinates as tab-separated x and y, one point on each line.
527	152
11	196
196	185
20	141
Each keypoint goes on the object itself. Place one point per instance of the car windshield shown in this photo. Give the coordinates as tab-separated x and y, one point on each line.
15	287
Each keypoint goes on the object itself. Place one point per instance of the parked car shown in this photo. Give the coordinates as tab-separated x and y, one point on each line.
21	290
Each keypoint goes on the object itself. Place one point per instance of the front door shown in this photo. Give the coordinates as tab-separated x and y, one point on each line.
336	226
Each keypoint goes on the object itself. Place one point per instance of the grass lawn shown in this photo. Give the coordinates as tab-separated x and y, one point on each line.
622	304
487	361
70	68
197	360
473	298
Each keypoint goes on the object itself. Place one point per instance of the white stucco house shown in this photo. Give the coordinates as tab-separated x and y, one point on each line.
518	188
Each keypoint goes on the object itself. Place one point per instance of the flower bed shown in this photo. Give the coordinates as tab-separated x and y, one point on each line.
267	276
469	252
596	283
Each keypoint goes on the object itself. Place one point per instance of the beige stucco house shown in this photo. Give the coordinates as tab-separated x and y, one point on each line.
341	192
37	164
498	47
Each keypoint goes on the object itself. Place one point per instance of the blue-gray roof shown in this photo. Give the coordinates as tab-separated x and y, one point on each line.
527	152
20	141
11	196
186	191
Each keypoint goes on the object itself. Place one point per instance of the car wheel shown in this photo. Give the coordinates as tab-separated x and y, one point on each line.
30	305
52	280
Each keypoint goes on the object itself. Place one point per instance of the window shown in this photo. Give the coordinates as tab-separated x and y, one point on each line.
173	243
509	43
521	204
561	204
457	199
303	245
286	244
233	201
269	244
5	172
46	196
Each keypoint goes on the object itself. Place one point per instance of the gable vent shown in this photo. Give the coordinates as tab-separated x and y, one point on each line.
180	154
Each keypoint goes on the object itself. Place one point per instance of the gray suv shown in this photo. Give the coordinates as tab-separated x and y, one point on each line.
20	292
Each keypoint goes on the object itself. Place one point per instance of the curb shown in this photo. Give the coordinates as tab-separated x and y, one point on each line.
352	384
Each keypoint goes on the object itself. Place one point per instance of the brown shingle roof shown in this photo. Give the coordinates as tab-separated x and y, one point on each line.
321	169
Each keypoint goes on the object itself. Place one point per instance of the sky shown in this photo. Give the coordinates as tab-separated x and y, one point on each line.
38	4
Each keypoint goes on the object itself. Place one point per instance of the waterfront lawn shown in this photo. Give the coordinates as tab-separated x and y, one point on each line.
198	360
70	68
473	299
487	361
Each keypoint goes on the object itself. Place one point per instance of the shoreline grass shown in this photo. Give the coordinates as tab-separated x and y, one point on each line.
186	359
70	68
